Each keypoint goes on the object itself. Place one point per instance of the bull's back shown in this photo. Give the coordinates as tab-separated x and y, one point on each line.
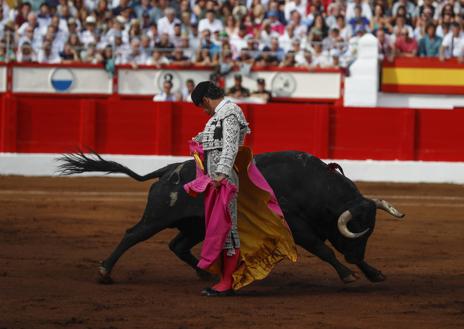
303	181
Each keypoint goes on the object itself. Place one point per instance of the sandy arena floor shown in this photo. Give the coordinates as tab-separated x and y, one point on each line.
53	232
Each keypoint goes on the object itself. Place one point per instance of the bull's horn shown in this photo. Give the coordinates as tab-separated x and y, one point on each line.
342	223
388	207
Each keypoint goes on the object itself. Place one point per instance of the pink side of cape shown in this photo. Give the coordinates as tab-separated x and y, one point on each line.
259	181
217	216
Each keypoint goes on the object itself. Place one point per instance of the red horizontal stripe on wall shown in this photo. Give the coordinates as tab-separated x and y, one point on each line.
412	89
424	62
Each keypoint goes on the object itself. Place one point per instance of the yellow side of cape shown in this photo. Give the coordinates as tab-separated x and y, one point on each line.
265	238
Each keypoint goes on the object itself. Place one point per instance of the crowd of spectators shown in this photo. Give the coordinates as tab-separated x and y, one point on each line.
226	33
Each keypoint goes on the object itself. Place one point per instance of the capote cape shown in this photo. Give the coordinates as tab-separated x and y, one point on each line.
265	238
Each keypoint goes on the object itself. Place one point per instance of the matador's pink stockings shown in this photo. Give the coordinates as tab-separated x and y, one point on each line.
229	265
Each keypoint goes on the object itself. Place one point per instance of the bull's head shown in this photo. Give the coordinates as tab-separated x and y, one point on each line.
356	224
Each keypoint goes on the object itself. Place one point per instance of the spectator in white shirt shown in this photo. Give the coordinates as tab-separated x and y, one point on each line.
3	21
298	5
46	55
333	10
267	34
157	59
28	36
285	40
453	43
210	22
320	57
166	95
300	59
6	10
26	54
300	28
345	30
91	5
187	91
31	21
121	49
88	35
135	56
166	24
43	17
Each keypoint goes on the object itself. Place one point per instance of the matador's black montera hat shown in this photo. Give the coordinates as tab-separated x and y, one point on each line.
200	91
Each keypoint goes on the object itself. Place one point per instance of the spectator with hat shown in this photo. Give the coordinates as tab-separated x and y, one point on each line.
261	92
88	35
237	90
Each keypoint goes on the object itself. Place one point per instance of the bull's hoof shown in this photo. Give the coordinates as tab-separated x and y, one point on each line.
376	277
353	277
204	275
104	276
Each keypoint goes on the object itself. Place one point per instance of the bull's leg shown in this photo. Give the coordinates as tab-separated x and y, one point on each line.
136	234
371	273
305	238
182	244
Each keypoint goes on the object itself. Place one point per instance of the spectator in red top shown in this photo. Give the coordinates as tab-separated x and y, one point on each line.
405	45
275	24
21	17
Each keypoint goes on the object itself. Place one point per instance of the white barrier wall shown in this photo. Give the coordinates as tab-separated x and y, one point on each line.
304	85
361	87
146	81
68	80
150	81
357	170
3	80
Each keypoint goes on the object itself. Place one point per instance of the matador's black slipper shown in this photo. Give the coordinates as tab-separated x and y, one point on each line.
210	292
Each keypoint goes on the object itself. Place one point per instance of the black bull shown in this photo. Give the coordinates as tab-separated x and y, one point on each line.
319	204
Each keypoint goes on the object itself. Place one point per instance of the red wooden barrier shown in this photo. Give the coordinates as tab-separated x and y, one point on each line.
34	124
440	135
365	133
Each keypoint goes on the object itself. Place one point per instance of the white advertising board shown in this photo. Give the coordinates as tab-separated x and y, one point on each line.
61	80
3	81
150	81
316	85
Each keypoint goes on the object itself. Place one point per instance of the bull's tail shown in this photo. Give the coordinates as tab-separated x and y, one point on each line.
78	163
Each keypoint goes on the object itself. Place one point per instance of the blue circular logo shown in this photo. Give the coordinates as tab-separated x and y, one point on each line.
61	79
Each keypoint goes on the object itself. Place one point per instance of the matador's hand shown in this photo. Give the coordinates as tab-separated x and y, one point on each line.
218	179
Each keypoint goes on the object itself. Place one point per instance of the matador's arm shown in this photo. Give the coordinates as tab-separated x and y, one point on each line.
230	139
